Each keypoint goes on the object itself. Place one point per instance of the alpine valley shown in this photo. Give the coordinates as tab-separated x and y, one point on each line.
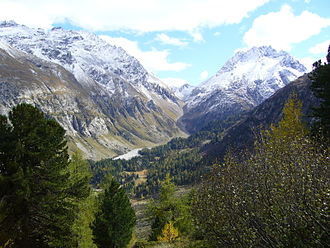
104	98
110	104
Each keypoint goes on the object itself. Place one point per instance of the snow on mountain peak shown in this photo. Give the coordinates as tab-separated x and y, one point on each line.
258	63
86	55
258	54
245	81
252	75
8	23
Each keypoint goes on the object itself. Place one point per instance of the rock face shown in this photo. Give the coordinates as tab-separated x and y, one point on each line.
245	81
104	98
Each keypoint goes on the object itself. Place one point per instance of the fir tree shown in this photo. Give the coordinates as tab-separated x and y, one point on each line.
115	218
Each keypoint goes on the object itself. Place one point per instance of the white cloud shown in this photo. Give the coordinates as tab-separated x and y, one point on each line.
140	16
308	62
283	29
154	60
204	75
197	36
216	33
321	48
165	39
174	82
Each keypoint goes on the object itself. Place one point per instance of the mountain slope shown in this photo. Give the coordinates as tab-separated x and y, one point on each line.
183	92
246	80
241	135
109	101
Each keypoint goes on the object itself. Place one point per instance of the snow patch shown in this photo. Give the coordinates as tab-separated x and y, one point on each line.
129	155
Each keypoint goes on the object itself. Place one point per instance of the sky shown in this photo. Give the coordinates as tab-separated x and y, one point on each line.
187	41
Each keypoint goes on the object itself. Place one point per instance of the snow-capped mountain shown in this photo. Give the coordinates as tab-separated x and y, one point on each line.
107	99
183	92
245	81
85	55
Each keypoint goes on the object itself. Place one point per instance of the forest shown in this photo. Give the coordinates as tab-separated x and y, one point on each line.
274	195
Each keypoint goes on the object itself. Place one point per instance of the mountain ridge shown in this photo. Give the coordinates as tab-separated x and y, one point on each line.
128	107
246	80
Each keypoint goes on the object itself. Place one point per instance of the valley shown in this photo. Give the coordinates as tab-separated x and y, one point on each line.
170	162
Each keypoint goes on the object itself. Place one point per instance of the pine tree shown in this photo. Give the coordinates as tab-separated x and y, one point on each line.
38	201
320	77
115	218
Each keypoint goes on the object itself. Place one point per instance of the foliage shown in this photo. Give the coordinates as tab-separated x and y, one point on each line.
114	219
169	209
320	77
38	198
169	233
80	173
276	197
185	167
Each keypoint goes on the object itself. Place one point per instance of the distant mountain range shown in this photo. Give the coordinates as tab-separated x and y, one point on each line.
245	81
110	104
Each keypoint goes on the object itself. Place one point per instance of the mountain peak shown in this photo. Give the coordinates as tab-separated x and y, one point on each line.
256	54
246	80
120	97
10	23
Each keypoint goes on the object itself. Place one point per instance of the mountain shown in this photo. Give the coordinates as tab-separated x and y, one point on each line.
103	97
183	92
245	81
241	135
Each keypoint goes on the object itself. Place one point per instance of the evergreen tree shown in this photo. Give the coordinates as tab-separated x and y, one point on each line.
80	176
320	77
169	209
115	218
37	199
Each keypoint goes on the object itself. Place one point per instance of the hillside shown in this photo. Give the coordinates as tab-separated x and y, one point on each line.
242	134
109	104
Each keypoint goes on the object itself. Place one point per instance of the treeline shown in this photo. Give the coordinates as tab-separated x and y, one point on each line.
278	195
180	158
186	166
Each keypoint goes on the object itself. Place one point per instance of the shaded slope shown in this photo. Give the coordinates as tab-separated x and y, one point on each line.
241	135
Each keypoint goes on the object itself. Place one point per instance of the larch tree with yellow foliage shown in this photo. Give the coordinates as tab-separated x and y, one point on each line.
169	233
278	196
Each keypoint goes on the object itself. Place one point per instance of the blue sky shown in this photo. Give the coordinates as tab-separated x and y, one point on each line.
187	40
